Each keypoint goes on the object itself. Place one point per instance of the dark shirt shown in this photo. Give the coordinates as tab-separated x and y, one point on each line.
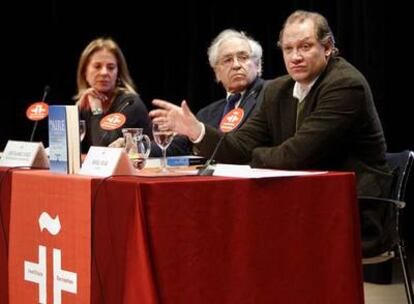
130	105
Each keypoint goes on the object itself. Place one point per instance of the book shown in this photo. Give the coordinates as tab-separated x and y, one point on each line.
176	161
64	140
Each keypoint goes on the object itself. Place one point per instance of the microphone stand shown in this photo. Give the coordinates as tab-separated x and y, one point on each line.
208	169
33	130
45	92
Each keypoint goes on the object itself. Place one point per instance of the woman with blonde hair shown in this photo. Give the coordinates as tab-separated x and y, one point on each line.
104	87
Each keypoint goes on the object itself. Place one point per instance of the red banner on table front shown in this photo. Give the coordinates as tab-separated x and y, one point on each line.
50	236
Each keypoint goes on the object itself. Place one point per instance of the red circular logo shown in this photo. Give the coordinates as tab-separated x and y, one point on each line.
37	111
112	121
231	120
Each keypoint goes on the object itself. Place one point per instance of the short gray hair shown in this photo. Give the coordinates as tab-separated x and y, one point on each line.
255	46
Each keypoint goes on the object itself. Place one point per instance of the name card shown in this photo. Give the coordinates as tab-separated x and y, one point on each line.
104	161
24	154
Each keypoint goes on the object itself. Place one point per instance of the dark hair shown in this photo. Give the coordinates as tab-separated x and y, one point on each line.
323	31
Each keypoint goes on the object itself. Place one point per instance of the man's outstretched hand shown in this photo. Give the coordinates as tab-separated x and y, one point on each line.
180	120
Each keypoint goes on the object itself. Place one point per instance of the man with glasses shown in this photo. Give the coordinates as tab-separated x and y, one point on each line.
321	116
237	63
236	60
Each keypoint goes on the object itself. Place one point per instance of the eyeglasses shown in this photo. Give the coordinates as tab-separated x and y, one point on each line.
229	60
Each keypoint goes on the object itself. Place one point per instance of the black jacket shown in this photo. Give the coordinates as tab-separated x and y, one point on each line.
128	104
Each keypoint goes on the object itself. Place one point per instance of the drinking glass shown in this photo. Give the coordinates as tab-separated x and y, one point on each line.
137	146
82	129
163	138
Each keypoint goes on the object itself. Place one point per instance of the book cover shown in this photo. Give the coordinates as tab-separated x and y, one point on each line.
176	161
187	160
64	141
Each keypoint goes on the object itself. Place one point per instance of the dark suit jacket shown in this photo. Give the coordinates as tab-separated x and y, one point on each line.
211	115
136	117
340	130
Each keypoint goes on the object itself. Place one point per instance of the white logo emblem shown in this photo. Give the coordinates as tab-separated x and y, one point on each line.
51	224
115	119
38	110
63	280
36	273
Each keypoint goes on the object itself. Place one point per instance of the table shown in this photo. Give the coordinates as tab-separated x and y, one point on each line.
5	187
223	240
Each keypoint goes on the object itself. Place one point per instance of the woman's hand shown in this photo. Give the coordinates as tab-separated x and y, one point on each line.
93	100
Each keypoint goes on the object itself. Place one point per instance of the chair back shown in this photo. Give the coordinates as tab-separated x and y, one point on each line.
400	163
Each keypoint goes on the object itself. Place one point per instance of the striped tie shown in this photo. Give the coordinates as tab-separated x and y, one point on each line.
231	102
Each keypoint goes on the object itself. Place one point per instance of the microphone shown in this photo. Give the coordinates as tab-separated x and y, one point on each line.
207	169
229	123
119	110
124	105
46	91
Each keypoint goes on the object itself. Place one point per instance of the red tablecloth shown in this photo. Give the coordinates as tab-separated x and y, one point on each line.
218	240
5	186
224	240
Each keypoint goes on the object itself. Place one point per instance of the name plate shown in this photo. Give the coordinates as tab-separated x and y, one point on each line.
24	154
104	161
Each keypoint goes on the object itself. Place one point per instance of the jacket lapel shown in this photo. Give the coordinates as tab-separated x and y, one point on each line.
249	101
215	118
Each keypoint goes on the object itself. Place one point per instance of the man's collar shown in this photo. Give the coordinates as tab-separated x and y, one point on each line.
300	91
230	93
255	85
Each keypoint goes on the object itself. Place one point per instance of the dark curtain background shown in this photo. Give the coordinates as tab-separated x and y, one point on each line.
165	45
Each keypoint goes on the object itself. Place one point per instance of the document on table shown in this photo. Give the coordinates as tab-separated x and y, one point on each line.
245	171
